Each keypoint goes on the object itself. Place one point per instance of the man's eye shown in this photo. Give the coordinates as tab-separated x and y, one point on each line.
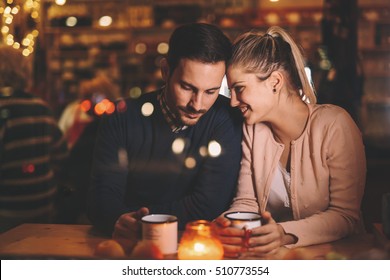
186	87
211	92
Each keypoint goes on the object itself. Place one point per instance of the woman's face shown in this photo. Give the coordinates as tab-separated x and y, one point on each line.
252	96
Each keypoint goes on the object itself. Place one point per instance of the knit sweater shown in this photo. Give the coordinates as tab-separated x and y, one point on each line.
135	164
31	147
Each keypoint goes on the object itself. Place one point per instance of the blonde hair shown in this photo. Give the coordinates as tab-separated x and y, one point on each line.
15	69
275	50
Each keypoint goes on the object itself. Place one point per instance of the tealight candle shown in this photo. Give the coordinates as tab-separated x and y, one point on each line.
199	242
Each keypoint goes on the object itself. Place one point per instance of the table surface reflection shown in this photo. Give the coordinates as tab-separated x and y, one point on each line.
59	241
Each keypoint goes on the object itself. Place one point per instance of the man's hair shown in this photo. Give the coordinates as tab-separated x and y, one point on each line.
198	41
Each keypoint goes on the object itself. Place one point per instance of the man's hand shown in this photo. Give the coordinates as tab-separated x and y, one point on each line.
127	228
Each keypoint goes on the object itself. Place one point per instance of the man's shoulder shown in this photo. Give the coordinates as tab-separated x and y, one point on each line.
222	101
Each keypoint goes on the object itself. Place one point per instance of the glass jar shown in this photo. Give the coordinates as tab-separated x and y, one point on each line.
200	242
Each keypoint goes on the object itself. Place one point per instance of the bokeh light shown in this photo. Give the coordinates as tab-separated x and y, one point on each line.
85	105
162	48
147	109
121	106
71	21
28	168
178	145
104	106
190	162
105	21
214	148
203	151
135	92
140	48
60	2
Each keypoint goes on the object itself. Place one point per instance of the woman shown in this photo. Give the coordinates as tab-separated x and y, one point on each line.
303	165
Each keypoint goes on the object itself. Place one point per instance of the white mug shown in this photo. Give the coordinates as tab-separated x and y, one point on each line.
247	220
161	229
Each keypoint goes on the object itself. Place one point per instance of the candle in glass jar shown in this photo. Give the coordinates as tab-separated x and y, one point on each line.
199	242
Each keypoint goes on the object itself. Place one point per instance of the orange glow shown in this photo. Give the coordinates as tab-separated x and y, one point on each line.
86	105
199	242
104	106
99	109
110	108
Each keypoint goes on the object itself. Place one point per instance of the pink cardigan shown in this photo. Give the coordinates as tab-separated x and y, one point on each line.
328	173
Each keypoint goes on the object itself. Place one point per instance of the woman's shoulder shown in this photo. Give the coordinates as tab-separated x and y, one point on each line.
327	117
327	113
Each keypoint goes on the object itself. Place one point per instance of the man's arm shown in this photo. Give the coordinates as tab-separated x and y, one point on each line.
215	185
109	175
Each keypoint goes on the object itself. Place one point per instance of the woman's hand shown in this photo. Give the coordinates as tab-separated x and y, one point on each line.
268	238
233	239
127	229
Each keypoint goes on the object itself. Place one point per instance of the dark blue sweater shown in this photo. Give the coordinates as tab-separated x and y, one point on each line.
134	164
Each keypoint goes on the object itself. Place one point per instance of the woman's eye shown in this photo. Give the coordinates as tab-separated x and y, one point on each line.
238	90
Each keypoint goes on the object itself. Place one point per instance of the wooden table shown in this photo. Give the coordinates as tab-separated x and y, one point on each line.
50	241
58	241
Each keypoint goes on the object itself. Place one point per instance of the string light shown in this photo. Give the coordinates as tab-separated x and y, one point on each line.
11	9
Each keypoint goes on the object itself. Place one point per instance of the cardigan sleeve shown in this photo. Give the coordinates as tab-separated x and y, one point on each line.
246	199
345	160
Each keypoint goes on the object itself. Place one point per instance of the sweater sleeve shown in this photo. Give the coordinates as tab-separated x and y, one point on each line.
345	160
109	173
209	196
214	185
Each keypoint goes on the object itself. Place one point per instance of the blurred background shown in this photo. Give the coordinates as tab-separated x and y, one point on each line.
346	43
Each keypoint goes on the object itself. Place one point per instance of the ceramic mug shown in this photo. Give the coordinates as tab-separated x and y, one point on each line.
247	220
161	229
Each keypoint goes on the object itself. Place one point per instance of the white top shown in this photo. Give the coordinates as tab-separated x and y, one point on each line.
279	198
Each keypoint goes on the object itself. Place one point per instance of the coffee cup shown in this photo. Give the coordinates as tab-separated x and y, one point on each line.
161	229
241	220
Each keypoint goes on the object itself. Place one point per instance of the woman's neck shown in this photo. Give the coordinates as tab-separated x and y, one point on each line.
290	121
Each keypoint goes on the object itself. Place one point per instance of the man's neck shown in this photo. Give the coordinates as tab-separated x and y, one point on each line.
172	120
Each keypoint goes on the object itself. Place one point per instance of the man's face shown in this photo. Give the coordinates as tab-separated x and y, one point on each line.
193	88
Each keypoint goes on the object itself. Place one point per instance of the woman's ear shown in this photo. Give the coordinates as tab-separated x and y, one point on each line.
164	69
276	81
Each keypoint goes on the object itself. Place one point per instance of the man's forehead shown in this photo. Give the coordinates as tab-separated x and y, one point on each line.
196	72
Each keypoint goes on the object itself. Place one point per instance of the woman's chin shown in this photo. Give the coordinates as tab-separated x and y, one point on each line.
249	121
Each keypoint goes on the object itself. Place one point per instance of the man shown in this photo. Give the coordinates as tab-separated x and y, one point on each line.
151	155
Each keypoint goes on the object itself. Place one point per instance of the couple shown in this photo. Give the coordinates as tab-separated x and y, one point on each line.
301	165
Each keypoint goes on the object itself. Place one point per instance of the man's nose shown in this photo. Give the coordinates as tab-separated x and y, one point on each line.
197	101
